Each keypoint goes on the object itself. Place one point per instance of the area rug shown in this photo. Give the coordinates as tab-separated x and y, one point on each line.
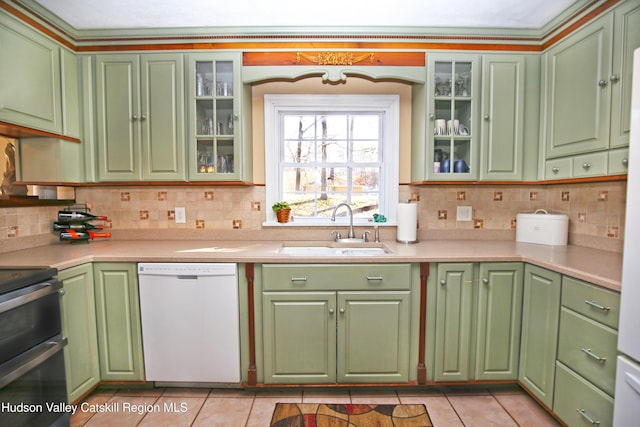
349	415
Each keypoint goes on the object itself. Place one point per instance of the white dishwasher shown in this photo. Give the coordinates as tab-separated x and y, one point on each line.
190	325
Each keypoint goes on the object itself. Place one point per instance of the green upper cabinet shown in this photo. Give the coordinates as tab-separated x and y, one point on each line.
578	95
453	131
626	38
70	71
539	337
214	95
503	108
30	85
140	117
79	326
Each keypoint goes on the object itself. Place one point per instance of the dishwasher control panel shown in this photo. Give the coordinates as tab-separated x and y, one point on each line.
187	269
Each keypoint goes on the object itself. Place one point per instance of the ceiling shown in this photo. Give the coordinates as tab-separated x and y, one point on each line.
121	14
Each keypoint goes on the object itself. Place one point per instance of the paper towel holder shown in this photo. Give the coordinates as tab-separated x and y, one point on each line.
408	241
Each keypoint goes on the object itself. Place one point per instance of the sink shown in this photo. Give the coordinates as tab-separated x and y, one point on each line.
332	249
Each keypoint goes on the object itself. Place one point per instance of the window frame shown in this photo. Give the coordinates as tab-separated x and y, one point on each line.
387	104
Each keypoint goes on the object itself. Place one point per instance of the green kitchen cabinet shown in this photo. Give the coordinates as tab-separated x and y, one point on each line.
503	115
476	325
538	341
140	117
453	131
118	322
497	351
82	369
71	99
330	324
214	106
454	302
30	82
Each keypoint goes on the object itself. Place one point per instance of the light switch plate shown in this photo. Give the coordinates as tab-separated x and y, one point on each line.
465	213
180	215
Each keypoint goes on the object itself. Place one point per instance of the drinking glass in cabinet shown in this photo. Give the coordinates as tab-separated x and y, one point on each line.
224	78
443	78
204	78
463	79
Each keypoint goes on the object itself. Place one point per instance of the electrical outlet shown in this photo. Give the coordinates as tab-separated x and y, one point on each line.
181	215
465	213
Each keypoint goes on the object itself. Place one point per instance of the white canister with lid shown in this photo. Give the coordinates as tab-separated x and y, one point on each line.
543	228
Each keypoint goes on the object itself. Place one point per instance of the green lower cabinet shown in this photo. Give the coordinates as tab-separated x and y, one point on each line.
79	326
118	322
540	318
454	296
299	337
329	337
499	317
578	402
373	337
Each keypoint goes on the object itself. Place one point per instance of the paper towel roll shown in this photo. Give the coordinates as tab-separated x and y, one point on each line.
407	223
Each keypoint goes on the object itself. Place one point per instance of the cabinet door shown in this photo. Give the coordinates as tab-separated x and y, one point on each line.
373	337
118	114
79	326
453	132
579	96
299	337
118	322
540	318
626	40
71	124
162	117
499	318
30	87
453	321
503	88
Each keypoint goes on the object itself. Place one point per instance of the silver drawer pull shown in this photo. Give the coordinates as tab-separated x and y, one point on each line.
299	279
594	356
596	305
587	417
374	277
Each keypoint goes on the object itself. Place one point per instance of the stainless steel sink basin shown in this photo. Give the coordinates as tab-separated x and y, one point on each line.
332	249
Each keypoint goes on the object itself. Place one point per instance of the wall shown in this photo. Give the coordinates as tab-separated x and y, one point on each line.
595	210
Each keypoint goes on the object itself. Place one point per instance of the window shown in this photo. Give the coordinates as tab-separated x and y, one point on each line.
322	150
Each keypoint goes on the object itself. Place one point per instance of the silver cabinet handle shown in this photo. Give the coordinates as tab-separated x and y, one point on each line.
143	118
485	281
443	282
486	117
341	310
331	311
432	116
625	162
555	169
596	305
61	292
586	166
374	277
587	417
614	78
602	83
299	279
594	356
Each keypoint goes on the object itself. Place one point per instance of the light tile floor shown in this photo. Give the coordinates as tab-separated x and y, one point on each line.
495	406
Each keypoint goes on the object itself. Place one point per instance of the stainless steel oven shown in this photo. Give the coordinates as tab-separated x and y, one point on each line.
32	377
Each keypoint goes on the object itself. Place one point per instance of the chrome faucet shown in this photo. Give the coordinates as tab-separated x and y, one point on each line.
352	233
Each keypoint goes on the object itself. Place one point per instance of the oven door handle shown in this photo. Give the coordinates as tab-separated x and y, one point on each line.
14	368
25	295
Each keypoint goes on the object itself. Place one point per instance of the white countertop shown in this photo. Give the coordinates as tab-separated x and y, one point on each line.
600	267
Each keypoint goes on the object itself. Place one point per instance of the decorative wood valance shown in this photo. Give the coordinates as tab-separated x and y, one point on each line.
396	59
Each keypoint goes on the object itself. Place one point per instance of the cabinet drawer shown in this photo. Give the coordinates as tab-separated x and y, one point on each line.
618	161
592	301
594	164
558	168
286	277
577	401
589	348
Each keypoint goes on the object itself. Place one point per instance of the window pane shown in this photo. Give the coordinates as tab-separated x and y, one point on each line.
366	152
365	205
365	179
366	126
332	152
336	127
299	179
298	126
299	151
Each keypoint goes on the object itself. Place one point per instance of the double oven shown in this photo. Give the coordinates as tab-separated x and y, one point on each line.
32	376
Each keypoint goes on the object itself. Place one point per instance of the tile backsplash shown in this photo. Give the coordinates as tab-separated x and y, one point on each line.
595	210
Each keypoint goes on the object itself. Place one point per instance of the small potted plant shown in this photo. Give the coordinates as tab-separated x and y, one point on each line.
282	210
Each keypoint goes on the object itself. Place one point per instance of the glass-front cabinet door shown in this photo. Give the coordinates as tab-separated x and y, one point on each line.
453	92
214	105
